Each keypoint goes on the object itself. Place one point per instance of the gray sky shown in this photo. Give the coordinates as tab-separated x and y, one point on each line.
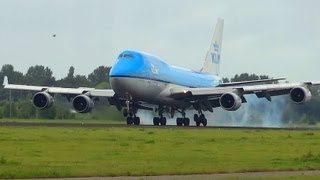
280	38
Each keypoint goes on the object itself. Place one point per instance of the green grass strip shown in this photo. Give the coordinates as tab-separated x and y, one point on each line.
77	152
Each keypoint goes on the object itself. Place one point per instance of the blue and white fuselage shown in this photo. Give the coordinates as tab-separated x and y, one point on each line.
148	78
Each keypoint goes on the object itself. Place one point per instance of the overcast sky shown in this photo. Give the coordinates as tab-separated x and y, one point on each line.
280	38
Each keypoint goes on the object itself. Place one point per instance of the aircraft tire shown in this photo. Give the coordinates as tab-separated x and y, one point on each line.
195	117
163	121
204	122
186	121
156	121
179	121
129	120
136	121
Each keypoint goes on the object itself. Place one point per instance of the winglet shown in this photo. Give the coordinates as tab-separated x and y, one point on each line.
5	81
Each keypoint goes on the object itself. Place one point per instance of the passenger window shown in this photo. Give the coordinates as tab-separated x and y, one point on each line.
120	56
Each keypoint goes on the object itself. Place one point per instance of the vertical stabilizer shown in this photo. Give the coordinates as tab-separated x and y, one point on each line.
212	61
5	81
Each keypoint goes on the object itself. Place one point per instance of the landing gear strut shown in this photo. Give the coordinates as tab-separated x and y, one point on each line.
200	119
160	120
130	112
183	121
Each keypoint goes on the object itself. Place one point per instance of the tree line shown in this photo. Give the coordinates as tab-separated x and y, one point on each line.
20	105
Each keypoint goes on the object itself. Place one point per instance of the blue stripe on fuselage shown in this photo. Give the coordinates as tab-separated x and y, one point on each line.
137	64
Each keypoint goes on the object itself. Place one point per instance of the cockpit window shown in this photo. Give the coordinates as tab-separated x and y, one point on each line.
128	56
125	56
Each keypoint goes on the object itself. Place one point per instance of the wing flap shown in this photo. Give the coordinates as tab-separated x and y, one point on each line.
254	82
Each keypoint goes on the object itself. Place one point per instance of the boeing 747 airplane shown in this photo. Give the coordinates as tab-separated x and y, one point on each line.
143	81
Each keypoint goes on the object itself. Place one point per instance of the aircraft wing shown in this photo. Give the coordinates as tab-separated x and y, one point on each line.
241	89
251	82
210	97
59	90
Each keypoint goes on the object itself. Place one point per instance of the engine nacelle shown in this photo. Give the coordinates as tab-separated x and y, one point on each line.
230	101
300	95
42	100
82	104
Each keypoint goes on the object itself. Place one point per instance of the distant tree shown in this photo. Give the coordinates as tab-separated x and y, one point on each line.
48	113
63	113
100	74
40	75
5	108
14	77
225	80
264	77
73	81
24	109
103	85
81	81
71	73
247	77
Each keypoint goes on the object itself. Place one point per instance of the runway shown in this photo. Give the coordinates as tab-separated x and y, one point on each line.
97	125
246	175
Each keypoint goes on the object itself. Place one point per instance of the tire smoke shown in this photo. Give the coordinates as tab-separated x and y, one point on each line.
256	113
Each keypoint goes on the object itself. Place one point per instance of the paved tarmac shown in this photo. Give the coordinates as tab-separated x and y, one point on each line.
95	125
250	175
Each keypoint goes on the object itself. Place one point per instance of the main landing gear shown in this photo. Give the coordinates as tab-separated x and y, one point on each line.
183	121
160	120
130	112
200	119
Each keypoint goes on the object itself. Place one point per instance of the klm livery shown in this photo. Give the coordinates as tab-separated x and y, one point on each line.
143	81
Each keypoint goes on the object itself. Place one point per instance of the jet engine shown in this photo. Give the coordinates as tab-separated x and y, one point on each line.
82	104
230	101
300	95
42	100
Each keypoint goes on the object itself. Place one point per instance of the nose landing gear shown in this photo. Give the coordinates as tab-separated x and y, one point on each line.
130	112
133	120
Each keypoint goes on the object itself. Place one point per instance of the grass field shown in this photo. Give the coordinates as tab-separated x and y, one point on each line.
72	152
